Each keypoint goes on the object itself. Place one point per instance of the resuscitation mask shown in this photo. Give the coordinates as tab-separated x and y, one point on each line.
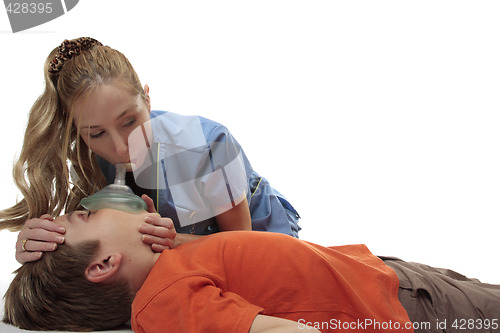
115	196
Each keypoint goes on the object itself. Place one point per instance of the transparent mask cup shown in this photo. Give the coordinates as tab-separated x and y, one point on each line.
115	196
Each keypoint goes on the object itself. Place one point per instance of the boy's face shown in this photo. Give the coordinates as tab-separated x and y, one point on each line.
119	237
106	225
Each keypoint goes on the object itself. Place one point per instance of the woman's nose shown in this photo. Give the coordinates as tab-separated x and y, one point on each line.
120	145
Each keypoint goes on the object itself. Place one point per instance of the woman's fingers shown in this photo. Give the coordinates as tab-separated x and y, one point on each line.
37	246
45	224
159	232
158	244
24	257
41	235
38	240
38	235
149	203
29	249
33	250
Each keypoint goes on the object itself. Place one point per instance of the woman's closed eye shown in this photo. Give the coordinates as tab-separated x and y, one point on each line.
129	122
96	135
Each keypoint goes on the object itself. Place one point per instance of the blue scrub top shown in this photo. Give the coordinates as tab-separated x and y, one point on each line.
193	165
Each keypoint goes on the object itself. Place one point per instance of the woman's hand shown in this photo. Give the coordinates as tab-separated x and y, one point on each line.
157	231
37	236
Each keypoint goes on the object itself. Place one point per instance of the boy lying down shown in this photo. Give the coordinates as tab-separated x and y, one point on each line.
241	281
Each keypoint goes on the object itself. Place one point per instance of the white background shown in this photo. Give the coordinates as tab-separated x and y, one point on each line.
379	120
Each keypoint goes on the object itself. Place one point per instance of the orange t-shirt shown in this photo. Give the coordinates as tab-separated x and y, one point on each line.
220	282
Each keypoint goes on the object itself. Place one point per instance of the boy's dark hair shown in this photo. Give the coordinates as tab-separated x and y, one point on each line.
54	294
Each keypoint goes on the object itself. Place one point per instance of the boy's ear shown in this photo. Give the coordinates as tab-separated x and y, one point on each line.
103	268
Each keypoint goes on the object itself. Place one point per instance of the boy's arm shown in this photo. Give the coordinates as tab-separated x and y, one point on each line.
268	324
192	304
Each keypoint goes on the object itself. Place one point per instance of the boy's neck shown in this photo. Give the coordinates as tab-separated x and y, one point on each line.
138	272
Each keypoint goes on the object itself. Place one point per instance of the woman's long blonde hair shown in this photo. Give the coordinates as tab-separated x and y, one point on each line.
52	144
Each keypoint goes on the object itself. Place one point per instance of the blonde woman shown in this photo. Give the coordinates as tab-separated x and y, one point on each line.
92	104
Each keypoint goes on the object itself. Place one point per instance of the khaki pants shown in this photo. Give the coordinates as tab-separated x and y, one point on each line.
441	300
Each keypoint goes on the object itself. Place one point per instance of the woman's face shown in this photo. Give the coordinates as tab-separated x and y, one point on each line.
106	117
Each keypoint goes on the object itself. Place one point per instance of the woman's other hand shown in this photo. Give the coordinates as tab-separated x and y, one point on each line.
37	236
149	202
158	231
